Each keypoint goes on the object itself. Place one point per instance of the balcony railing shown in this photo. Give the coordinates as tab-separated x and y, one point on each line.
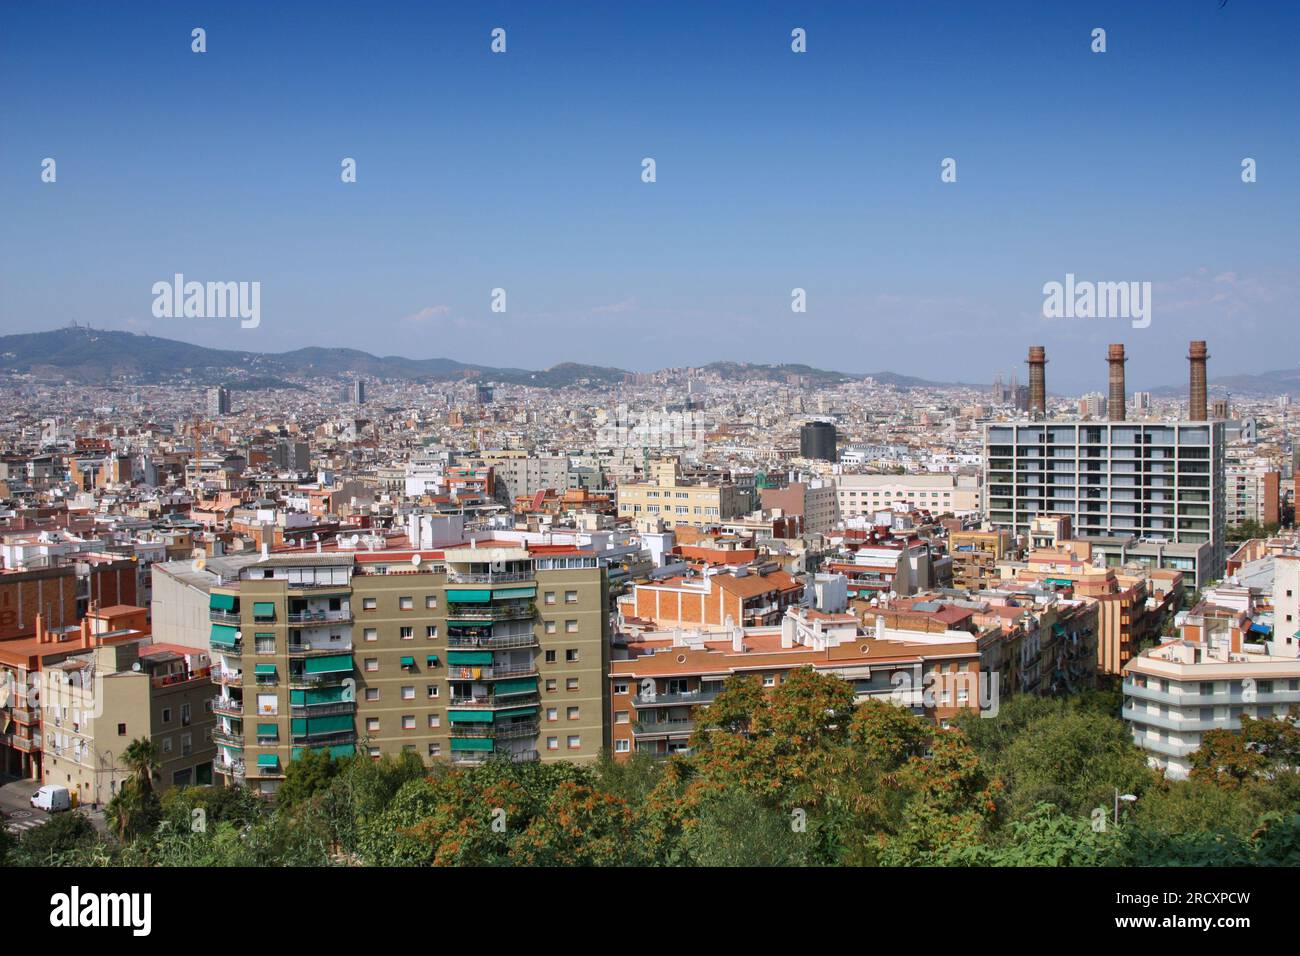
229	650
493	702
318	650
228	678
227	739
526	728
229	767
26	744
319	617
223	617
479	757
228	706
324	740
323	710
496	577
663	728
492	642
492	612
489	671
683	697
309	681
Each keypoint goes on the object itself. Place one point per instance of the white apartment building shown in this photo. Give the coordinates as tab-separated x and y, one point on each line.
860	496
1216	672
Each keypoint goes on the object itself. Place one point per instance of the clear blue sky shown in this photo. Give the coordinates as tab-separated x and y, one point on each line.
775	170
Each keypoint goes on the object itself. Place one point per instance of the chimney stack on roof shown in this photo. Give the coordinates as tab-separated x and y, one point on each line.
1116	401
1197	354
1037	380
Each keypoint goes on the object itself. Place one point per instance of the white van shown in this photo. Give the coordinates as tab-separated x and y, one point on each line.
52	799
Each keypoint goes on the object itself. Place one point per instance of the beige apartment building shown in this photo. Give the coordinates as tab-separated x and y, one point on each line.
861	496
490	648
669	496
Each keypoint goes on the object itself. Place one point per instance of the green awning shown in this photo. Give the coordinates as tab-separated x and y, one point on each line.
431	660
1059	630
455	658
471	743
264	670
525	685
264	609
333	724
408	662
470	716
268	730
508	593
469	597
1059	582
337	751
221	602
268	760
329	664
454	623
223	635
516	712
317	695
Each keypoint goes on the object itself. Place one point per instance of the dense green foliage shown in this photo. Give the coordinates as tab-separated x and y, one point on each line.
793	777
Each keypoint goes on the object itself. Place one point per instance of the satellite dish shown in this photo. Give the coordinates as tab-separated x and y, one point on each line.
136	667
415	560
355	540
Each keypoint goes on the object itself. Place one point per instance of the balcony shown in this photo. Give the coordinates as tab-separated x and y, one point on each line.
491	612
491	642
493	702
666	700
228	707
473	758
226	738
324	740
497	577
228	678
235	650
323	710
228	767
26	744
318	650
308	618
526	728
664	728
1132	689
489	672
224	617
310	681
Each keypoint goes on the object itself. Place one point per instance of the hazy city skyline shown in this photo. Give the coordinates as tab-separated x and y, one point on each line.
775	171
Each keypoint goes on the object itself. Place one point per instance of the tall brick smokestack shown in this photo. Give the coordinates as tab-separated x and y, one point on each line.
1037	380
1196	400
1116	401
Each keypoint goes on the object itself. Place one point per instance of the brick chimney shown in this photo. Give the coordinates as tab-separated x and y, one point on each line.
1116	401
1037	380
1197	354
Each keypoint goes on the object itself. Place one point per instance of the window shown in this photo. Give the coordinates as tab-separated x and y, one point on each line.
372	693
432	691
187	745
571	655
373	752
167	745
573	713
552	713
370	634
121	730
167	715
574	741
622	746
408	693
430	602
435	749
549	627
368	604
550	684
268	704
372	725
408	721
570	597
621	717
549	597
407	633
406	603
769	680
431	632
550	657
571	684
435	721
552	743
620	687
570	627
186	717
372	664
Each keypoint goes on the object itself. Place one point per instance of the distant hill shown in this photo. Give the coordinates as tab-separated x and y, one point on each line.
95	356
1284	381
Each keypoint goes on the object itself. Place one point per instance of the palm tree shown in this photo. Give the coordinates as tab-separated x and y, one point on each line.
141	757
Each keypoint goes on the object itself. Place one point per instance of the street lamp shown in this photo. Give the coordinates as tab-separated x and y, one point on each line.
1126	797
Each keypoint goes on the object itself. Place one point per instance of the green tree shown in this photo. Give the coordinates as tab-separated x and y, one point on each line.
140	756
306	776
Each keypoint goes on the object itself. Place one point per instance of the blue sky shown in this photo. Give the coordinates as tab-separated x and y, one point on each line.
775	171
